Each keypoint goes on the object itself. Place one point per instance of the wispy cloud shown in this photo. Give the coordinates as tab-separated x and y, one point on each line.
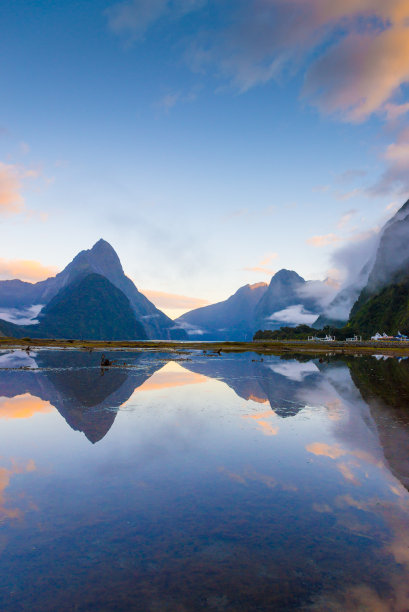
11	199
345	219
354	73
171	99
134	18
396	176
354	55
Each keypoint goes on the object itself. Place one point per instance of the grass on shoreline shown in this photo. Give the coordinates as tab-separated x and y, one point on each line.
276	347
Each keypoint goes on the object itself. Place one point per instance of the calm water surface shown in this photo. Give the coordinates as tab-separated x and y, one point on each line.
182	482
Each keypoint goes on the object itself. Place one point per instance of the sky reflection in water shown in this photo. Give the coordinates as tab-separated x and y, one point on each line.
189	482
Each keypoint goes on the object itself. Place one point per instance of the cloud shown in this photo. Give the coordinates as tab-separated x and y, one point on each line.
5	477
321	241
352	264
263	266
171	99
263	422
171	375
21	316
173	304
11	200
190	329
295	315
295	370
394	111
23	407
360	74
345	219
357	50
360	248
396	176
12	179
347	195
25	269
133	19
249	475
161	299
322	449
354	56
322	292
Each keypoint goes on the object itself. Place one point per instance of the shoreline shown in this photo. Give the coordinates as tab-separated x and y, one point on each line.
277	347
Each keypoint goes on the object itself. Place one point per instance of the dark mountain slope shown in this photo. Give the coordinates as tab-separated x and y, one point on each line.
387	310
93	309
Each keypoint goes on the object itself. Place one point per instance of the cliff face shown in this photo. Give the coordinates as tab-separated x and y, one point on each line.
384	301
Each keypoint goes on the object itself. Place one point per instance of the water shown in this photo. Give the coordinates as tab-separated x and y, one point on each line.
182	482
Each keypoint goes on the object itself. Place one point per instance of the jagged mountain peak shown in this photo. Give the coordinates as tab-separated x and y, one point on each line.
102	247
101	255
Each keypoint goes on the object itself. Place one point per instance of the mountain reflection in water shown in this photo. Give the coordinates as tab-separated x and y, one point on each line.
237	482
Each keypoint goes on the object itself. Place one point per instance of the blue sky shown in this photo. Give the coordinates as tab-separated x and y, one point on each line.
211	142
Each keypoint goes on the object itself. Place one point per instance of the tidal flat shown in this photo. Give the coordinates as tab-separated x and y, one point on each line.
270	347
179	480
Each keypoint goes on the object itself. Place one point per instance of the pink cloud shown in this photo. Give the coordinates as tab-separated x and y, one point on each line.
359	75
11	200
263	267
396	176
12	179
162	299
24	269
321	241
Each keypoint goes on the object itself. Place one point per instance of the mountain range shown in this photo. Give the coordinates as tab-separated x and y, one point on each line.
92	298
376	299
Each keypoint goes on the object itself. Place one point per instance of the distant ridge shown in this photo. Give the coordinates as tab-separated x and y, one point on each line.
231	319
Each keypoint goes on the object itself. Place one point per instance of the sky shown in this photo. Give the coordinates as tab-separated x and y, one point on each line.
211	142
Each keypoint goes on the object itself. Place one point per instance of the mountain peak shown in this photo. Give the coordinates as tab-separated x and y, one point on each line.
101	243
101	255
284	275
103	248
